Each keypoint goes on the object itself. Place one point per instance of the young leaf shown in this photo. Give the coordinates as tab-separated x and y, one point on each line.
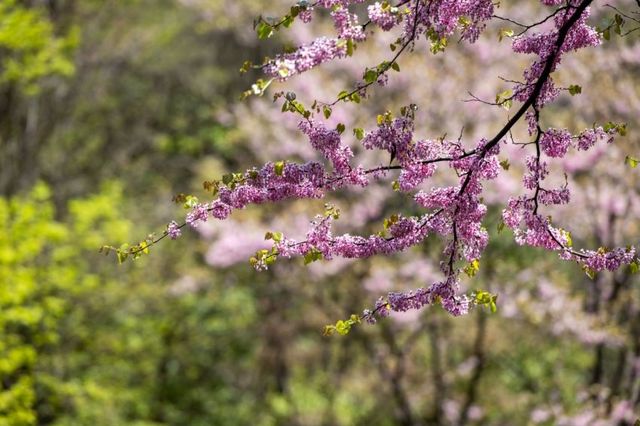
370	75
631	161
504	32
264	30
278	168
574	89
472	268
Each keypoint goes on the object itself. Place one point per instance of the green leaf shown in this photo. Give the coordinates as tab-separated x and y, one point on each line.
385	118
191	201
123	253
505	164
264	30
370	75
606	34
567	235
505	32
275	236
340	128
331	210
392	220
287	21
574	89
619	128
312	255
350	47
343	327
590	272
438	45
631	161
278	168
329	330
359	133
144	247
484	298
395	66
464	21
326	110
246	66
619	23
634	267
504	98
472	268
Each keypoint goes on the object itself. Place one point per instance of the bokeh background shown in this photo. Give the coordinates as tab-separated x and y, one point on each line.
110	107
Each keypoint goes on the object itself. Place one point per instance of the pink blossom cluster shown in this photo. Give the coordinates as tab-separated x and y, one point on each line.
306	15
537	171
603	259
343	3
578	36
555	143
459	216
418	159
259	187
589	137
320	50
405	233
347	25
444	17
385	18
199	213
537	231
549	197
394	137
444	293
173	230
327	142
531	228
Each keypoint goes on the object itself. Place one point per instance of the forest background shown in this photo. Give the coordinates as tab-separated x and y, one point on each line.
110	108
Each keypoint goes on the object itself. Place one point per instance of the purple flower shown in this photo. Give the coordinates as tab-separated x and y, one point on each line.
173	230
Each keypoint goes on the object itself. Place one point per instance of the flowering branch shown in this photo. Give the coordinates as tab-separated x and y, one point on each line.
455	213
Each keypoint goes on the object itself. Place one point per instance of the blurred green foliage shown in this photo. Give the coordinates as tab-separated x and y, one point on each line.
31	49
44	267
